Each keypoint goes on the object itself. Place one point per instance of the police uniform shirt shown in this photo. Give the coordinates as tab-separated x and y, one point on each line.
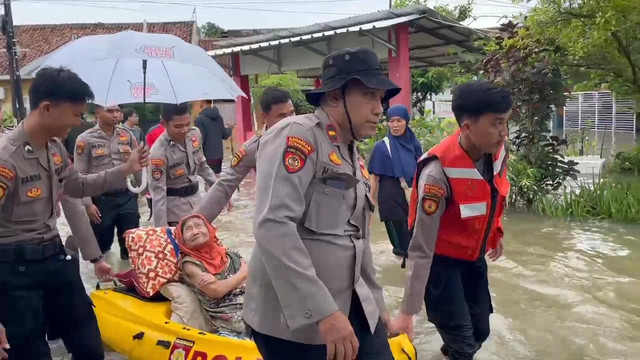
175	166
31	181
432	184
96	151
217	197
311	228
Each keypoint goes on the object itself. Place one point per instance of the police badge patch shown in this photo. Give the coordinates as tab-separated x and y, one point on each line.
237	157
156	174
429	205
80	148
57	158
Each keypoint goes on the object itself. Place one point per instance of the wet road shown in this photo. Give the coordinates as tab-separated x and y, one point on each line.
562	291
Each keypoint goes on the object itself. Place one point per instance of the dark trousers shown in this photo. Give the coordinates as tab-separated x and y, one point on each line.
118	213
459	304
372	346
399	236
47	296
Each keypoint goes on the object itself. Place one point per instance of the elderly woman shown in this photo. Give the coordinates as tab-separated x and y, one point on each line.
392	165
214	273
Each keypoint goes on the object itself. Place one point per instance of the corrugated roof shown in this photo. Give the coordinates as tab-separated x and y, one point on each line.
379	19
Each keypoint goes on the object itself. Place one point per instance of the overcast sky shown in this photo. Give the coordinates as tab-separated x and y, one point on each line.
230	14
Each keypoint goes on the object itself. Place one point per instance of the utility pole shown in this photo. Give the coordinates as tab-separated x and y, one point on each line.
390	4
14	69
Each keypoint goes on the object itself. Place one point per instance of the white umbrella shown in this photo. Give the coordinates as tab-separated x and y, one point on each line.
132	67
175	70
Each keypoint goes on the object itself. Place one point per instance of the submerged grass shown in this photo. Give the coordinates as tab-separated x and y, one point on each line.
615	200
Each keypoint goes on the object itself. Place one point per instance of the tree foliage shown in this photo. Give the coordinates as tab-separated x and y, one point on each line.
286	81
596	38
211	30
519	63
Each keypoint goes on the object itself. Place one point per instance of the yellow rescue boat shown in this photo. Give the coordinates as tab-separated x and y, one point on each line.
142	330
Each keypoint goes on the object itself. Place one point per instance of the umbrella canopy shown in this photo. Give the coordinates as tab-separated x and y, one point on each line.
176	70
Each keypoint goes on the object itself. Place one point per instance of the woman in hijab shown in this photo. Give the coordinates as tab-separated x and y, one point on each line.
393	164
215	274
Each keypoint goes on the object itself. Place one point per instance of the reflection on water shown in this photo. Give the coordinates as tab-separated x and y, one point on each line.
562	291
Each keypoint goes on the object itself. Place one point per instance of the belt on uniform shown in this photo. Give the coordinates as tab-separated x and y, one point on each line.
31	252
116	193
184	191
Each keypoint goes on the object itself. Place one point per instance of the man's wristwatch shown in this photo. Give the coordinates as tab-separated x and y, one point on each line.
96	260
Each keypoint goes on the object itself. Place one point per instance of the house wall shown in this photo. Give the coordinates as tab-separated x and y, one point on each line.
8	95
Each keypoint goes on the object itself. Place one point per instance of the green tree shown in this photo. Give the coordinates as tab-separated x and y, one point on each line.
288	81
521	64
9	121
599	38
211	30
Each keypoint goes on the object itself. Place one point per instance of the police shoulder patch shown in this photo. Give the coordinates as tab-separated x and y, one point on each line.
3	190
296	154
238	156
434	191
432	194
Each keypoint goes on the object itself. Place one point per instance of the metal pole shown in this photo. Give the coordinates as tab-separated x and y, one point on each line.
14	69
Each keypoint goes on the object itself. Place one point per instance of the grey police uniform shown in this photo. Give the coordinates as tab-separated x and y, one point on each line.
82	237
173	177
218	196
33	263
95	152
312	254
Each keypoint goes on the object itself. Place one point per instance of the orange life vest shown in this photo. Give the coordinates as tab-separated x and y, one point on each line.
472	214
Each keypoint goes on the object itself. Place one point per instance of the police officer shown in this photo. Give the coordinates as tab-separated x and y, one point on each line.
176	162
40	284
106	145
311	288
275	105
456	211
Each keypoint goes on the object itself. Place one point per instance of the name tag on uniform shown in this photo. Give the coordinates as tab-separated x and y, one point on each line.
340	181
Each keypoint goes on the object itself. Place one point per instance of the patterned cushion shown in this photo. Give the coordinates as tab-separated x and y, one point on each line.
153	258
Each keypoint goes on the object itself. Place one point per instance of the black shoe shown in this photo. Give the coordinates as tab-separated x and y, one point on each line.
124	255
444	349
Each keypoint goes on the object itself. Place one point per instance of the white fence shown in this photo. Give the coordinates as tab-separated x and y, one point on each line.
599	111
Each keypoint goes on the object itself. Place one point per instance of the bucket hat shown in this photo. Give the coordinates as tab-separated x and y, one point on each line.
352	63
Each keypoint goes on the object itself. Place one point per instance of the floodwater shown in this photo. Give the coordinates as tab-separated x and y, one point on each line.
563	290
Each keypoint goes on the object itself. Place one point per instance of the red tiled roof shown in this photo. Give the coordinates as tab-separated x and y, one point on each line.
38	40
211	44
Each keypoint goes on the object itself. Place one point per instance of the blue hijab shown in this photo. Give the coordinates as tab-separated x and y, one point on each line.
405	151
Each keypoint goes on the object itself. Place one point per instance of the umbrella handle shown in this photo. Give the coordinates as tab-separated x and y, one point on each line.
143	182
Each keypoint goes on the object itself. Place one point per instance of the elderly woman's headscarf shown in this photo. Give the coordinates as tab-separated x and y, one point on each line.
213	255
